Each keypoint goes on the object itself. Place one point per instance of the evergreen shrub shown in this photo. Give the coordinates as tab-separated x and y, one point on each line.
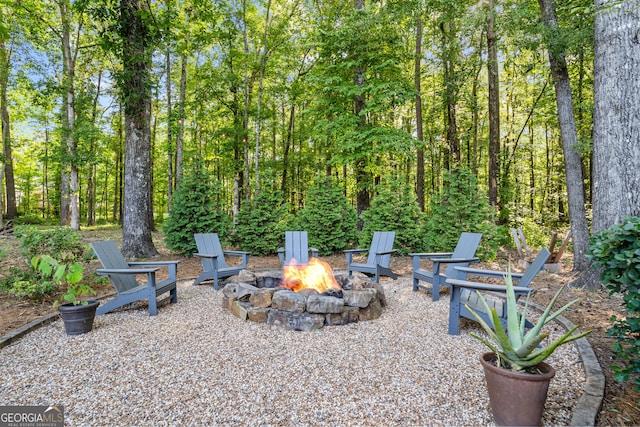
460	206
617	252
261	224
394	208
328	217
194	209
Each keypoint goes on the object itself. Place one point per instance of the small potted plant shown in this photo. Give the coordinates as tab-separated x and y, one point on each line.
516	374
77	314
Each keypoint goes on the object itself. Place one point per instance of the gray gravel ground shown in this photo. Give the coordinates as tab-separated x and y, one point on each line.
195	364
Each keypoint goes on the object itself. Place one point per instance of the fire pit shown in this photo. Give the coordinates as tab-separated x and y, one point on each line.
308	297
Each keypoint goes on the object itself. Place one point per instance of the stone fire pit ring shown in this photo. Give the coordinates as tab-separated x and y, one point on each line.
257	297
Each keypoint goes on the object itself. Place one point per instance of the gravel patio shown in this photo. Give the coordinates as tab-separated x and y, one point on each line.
196	364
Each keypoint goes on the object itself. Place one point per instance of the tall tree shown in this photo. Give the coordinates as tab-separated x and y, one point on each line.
7	157
569	136
136	97
70	203
361	164
616	117
419	131
494	104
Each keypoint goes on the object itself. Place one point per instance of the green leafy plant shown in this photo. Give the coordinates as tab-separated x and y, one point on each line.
328	217
69	275
460	206
261	224
394	208
194	209
517	348
617	252
62	241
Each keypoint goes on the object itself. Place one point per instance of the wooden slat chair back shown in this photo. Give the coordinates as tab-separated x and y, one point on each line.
378	259
123	277
110	257
296	247
462	255
464	292
212	258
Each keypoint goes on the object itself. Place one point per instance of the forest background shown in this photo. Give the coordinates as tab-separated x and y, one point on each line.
398	104
250	117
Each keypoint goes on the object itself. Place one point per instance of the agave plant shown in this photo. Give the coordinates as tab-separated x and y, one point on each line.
517	348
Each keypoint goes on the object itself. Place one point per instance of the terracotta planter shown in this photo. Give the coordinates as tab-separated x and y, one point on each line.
516	399
78	319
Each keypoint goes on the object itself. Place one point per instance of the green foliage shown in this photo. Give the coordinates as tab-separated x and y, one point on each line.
460	207
194	209
328	217
69	275
43	276
64	242
517	348
394	208
261	225
617	252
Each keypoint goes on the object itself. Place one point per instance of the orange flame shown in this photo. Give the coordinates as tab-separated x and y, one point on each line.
315	275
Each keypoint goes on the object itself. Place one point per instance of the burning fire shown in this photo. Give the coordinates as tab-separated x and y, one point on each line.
315	275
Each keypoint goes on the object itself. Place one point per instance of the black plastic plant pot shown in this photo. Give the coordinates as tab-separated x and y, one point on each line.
78	319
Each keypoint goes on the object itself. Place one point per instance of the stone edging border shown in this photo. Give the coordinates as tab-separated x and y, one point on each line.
584	413
589	404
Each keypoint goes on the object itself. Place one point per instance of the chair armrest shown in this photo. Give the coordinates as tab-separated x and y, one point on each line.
105	271
431	254
454	260
387	252
158	263
199	255
520	290
355	251
239	253
489	273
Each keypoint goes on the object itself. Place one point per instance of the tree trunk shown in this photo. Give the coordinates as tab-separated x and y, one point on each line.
136	58
450	93
360	166
69	118
91	182
170	179
616	118
245	116
569	136
7	164
419	131
494	106
181	100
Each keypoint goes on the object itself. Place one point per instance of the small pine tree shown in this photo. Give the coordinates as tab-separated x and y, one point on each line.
394	208
328	217
459	207
261	224
194	209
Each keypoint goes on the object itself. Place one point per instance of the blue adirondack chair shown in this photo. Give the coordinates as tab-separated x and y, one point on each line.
462	255
379	256
296	247
464	292
123	277
212	258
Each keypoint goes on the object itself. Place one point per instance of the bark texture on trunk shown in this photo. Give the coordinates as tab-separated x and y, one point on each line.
569	136
419	130
136	227
7	167
494	106
616	115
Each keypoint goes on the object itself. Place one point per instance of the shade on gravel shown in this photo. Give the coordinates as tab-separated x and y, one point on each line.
196	364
